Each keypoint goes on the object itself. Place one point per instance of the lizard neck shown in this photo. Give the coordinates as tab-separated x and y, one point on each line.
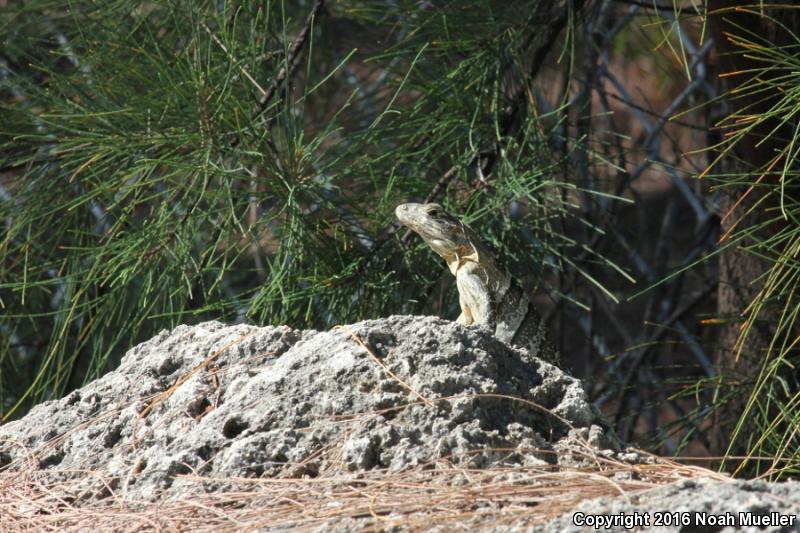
468	253
460	249
476	254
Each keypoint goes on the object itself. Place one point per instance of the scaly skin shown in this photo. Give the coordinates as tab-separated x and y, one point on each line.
487	293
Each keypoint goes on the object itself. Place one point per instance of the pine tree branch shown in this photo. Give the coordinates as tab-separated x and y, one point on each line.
519	102
518	105
291	60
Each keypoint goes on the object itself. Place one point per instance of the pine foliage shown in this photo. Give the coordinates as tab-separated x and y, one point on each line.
174	162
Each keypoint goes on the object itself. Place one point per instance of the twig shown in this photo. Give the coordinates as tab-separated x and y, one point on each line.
383	366
291	60
234	61
161	397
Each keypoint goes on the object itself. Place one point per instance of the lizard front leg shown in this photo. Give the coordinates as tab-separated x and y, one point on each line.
466	313
474	297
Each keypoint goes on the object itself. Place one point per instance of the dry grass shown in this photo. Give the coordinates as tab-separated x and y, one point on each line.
439	494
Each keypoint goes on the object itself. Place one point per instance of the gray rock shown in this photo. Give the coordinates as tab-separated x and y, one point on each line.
243	401
694	505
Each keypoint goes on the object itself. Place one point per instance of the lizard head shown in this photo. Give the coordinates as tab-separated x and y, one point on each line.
443	232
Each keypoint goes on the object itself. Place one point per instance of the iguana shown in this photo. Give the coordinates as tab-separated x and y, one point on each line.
487	293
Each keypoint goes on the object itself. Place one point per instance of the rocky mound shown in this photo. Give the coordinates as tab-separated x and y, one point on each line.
243	401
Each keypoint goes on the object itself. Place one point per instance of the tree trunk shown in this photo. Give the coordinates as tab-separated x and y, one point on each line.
738	269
